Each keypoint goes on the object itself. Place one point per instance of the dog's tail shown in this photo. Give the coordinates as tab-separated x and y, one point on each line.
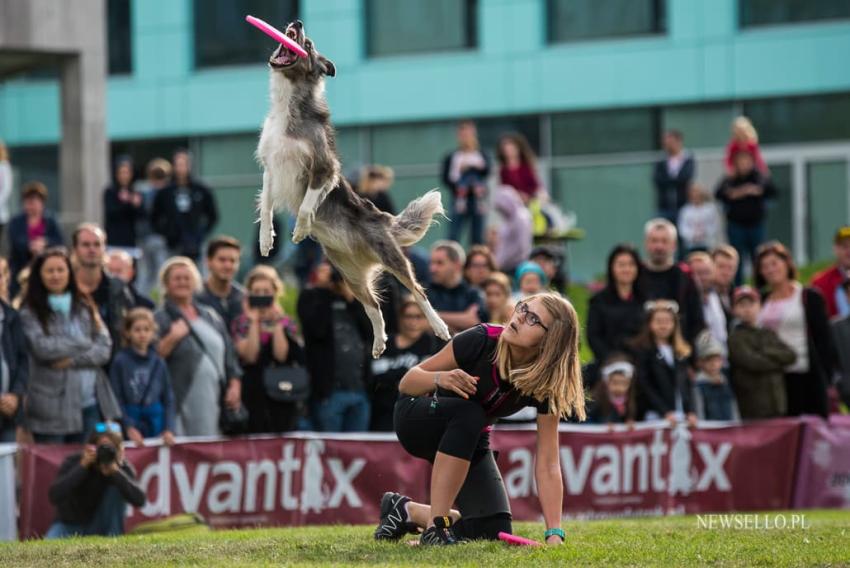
411	224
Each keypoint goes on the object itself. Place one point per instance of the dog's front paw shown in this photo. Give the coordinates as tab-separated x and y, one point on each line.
441	330
303	226
266	242
378	347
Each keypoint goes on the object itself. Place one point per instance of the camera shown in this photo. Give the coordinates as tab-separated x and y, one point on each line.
260	301
106	454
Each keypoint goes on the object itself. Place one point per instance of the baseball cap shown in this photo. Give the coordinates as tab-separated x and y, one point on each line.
742	292
842	233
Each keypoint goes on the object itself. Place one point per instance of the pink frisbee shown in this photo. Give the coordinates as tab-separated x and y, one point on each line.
276	35
517	540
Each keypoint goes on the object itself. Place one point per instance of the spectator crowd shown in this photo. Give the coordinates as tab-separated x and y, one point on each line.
140	329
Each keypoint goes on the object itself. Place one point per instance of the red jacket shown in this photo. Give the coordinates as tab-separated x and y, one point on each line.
827	281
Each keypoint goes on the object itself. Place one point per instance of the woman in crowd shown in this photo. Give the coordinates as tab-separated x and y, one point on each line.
518	166
32	231
68	391
409	347
465	172
122	205
479	265
15	362
484	373
198	351
664	389
615	313
497	298
797	315
265	338
374	185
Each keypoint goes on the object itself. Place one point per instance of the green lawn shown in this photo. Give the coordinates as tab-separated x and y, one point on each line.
668	541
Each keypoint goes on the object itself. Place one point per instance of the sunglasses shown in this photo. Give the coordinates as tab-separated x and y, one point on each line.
529	316
104	427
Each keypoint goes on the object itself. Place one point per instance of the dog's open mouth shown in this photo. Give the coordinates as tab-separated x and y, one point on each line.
283	56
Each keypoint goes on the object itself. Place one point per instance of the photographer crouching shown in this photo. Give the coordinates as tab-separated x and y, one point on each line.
93	487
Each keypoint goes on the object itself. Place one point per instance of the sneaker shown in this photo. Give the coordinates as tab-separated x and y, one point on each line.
394	523
440	534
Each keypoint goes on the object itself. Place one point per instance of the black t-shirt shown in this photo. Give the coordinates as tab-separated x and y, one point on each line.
474	351
457	299
395	362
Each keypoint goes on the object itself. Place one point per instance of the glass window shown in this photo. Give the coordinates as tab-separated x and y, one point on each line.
703	126
119	37
772	12
417	26
780	218
410	144
39	163
828	201
143	151
800	119
223	38
607	131
575	20
491	129
349	148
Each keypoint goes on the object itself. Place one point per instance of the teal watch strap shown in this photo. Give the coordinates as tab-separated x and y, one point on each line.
558	532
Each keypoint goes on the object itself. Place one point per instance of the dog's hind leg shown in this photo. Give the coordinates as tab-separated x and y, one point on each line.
362	286
398	265
266	214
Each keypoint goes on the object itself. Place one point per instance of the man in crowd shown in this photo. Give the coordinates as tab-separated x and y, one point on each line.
726	260
715	316
459	305
673	176
337	345
221	292
184	212
110	294
93	487
832	282
119	264
745	195
670	281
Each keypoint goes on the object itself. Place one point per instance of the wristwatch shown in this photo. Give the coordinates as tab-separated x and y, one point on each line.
555	532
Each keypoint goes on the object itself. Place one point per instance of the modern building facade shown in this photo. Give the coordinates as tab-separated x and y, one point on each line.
591	83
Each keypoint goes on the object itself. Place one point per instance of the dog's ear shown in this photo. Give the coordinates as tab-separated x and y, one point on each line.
328	67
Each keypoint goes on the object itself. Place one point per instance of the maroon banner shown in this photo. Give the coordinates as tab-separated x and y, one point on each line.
823	476
303	479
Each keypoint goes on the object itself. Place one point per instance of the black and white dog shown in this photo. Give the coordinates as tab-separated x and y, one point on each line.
302	174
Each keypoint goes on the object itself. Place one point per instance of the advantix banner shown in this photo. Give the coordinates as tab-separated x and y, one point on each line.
311	479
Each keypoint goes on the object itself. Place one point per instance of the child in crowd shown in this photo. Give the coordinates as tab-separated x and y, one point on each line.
530	280
718	402
758	359
497	298
614	396
744	138
141	382
699	221
663	385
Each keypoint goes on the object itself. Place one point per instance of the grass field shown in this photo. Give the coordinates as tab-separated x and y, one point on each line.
668	541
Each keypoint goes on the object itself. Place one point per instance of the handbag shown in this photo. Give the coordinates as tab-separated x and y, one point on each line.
286	383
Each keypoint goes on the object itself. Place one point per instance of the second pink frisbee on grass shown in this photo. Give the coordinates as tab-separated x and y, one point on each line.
276	35
517	540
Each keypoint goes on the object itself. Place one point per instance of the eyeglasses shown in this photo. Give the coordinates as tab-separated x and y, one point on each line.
103	427
529	316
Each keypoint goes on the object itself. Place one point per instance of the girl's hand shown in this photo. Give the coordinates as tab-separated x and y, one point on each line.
62	364
168	438
671	418
692	420
458	381
135	436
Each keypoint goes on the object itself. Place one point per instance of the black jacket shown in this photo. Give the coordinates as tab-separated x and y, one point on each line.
17	359
658	382
114	299
120	218
77	491
184	225
447	163
672	192
748	210
677	284
316	317
611	322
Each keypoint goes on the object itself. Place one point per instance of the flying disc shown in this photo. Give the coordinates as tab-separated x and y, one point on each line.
517	540
276	35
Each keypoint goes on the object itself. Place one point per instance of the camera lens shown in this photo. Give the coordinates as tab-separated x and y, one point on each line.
106	454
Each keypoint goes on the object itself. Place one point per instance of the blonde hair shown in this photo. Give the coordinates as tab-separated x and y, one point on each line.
176	261
4	152
555	374
263	272
134	315
742	125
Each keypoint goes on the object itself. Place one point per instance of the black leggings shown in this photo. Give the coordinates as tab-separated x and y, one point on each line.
455	428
